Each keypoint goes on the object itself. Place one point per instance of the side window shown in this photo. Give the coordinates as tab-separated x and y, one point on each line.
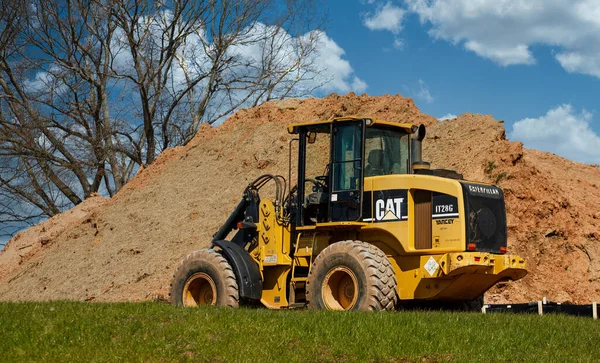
317	159
386	152
347	157
314	191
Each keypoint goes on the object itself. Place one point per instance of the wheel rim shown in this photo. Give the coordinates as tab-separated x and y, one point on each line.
340	289
199	290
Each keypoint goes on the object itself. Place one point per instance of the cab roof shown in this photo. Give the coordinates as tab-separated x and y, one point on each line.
410	128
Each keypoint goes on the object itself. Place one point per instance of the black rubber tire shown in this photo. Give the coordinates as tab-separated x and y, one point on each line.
215	266
372	269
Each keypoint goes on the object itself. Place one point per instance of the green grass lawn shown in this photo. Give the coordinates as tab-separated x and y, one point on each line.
71	331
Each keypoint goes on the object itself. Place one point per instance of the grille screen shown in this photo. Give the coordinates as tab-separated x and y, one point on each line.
486	217
422	200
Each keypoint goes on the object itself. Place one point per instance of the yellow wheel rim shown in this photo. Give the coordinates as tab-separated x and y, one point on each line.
199	290
340	289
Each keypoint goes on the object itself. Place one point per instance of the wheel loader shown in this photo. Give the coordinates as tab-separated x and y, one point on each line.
367	226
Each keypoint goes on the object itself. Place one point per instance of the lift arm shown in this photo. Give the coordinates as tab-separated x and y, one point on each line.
246	212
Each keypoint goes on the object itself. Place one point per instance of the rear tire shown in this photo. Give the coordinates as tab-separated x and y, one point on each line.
351	275
204	278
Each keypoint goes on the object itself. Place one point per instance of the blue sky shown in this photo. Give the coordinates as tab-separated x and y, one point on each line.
534	64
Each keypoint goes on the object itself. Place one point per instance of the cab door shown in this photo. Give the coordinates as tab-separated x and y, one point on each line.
347	171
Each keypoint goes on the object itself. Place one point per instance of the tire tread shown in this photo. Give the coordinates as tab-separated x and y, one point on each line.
217	260
381	284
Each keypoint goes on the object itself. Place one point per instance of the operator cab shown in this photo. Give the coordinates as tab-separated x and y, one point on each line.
334	158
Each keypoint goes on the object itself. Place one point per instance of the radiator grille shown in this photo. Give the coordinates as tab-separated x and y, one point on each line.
486	217
423	238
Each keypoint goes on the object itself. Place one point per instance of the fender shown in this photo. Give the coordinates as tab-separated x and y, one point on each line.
245	268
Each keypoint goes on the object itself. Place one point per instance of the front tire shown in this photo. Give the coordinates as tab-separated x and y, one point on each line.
204	278
351	275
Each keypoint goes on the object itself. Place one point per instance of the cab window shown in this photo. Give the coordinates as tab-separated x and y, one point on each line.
347	157
386	151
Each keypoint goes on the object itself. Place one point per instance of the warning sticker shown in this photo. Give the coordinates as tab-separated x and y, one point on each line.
431	266
271	259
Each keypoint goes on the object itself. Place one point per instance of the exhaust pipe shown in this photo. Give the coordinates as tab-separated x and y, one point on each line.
417	150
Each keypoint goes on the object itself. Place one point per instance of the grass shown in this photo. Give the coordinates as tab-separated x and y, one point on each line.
489	171
71	331
490	167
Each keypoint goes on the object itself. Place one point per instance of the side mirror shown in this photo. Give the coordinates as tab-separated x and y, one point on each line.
312	137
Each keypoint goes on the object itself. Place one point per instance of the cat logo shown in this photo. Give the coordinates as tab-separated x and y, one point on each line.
388	209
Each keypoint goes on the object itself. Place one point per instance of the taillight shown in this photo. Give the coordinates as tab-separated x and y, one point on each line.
471	246
502	250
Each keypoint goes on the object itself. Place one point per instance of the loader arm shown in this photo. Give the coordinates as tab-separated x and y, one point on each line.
246	213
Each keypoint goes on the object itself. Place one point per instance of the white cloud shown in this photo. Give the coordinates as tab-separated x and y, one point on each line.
326	66
505	56
505	30
337	69
328	58
420	91
448	116
358	85
118	46
398	43
577	62
423	92
561	131
387	17
46	80
41	81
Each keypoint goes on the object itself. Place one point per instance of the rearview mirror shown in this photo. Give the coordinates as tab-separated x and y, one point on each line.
312	137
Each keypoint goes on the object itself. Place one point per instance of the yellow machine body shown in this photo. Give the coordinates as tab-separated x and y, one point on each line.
459	275
430	257
445	238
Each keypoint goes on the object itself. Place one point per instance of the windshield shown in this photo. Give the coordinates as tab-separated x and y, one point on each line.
386	152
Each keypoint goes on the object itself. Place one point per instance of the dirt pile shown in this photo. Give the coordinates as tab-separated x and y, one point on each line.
27	244
125	248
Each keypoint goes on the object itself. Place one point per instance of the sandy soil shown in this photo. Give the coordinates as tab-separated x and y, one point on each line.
125	248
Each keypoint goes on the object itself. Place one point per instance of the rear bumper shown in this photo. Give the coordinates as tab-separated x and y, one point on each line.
510	267
467	275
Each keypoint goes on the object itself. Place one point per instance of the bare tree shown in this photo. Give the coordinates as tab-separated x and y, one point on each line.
152	34
74	38
92	89
17	143
201	60
56	136
251	54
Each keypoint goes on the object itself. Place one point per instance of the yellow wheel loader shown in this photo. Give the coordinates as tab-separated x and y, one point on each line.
368	226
